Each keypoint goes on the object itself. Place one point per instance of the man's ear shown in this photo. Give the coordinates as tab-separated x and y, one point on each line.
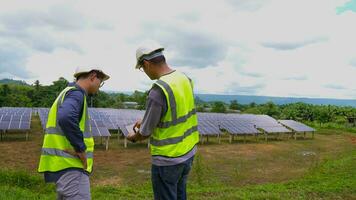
145	62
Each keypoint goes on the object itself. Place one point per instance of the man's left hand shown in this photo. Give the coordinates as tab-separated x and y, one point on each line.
132	137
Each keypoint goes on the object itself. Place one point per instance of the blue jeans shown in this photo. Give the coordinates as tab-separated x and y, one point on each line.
169	182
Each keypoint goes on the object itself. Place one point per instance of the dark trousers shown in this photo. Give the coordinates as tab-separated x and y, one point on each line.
169	182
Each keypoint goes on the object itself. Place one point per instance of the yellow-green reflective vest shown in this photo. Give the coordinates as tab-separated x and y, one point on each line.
53	155
177	132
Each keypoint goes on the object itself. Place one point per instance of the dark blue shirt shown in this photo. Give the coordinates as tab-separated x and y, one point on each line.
68	115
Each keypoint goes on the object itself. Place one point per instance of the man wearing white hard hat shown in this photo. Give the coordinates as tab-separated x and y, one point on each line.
68	145
171	123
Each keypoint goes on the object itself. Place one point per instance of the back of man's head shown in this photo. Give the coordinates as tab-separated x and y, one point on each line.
159	60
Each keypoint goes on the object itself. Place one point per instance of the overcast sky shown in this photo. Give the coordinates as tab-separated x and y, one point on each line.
298	48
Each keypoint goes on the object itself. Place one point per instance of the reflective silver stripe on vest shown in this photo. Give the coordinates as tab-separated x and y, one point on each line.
174	140
61	153
58	131
172	100
177	121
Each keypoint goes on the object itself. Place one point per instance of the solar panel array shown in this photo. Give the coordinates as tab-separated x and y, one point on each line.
98	127
15	118
116	119
239	124
209	123
296	126
105	119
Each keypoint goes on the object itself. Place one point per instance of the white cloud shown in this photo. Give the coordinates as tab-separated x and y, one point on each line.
274	48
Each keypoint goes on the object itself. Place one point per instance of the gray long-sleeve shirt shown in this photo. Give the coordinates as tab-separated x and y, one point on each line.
156	108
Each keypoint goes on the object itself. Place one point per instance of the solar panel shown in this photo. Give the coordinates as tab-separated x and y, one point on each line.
238	127
271	129
7	118
26	118
114	118
124	130
43	114
4	125
15	118
208	130
14	125
296	126
243	123
265	123
98	129
25	125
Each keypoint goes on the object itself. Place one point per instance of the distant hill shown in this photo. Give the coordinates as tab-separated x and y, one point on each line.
11	81
244	99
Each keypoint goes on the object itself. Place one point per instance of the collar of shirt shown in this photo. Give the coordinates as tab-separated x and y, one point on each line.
78	87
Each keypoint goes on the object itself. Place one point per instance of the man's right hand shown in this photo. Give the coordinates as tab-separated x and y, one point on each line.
81	155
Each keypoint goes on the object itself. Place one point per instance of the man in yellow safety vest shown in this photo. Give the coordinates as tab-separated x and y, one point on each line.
68	145
171	123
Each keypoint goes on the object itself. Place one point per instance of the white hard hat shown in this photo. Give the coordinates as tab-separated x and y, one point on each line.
147	52
86	69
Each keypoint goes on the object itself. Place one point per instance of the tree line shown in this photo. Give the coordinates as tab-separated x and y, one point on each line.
15	94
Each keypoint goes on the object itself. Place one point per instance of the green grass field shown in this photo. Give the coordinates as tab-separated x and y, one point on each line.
319	168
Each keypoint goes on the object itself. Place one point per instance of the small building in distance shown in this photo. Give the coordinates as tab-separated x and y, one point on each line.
130	105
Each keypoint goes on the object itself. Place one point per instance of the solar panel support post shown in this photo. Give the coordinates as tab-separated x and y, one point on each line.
148	143
125	142
107	143
118	135
200	139
304	135
256	137
266	136
295	135
219	138
286	135
207	138
230	138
